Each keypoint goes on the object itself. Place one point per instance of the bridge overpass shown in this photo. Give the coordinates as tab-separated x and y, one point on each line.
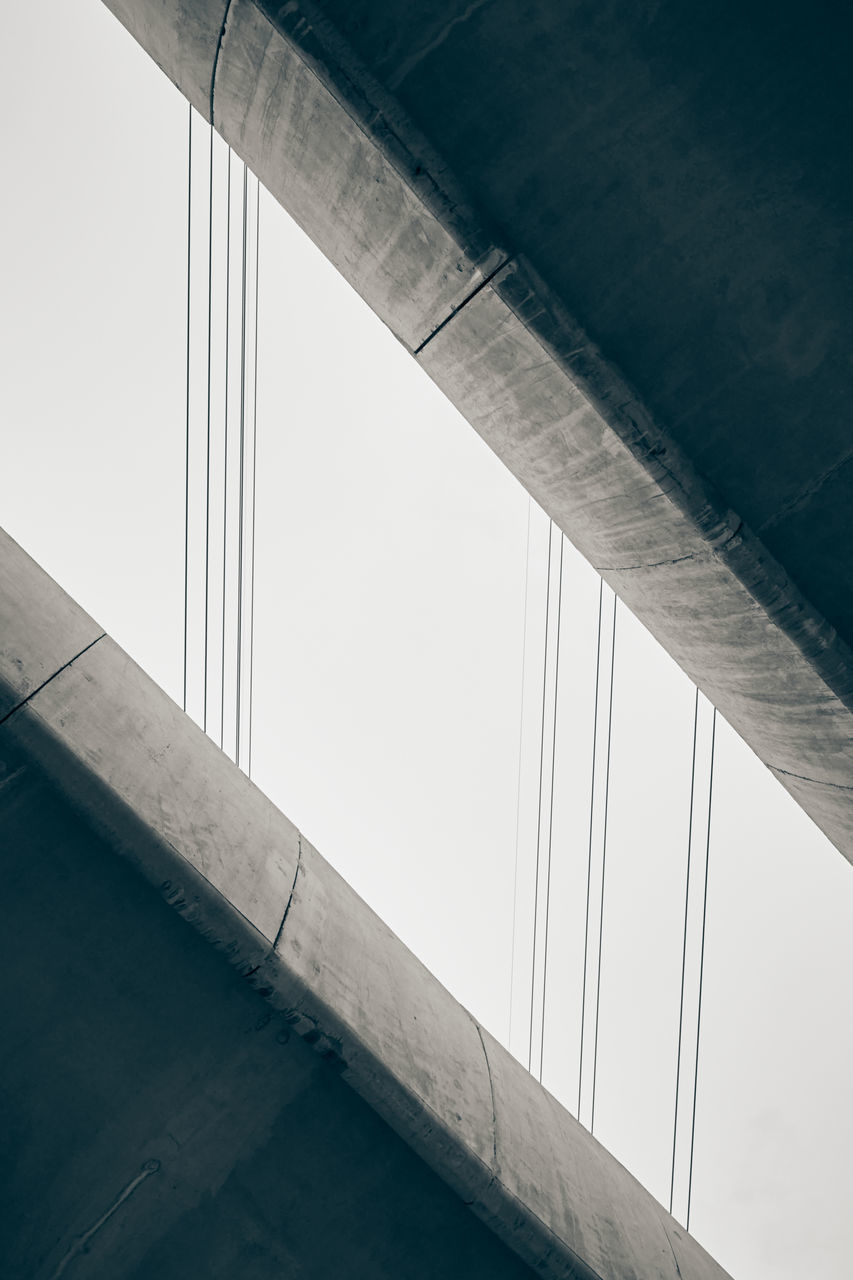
621	307
618	237
217	1061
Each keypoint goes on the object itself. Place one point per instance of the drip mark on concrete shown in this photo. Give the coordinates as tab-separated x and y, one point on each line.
81	1244
30	696
408	64
455	312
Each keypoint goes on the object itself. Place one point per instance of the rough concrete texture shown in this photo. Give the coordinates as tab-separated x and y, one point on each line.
223	1063
619	238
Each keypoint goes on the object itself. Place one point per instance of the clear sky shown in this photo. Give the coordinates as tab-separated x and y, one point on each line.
392	557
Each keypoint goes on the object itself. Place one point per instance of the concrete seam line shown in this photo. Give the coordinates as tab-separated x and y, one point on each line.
494	1109
56	673
292	891
671	1247
215	66
455	312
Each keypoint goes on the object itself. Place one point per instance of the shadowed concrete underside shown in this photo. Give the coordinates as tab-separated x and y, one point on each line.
618	237
216	1060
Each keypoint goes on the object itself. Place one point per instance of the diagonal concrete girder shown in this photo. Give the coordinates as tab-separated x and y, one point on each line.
501	184
219	1062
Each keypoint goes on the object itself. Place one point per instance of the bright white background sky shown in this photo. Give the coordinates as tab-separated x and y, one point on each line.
390	587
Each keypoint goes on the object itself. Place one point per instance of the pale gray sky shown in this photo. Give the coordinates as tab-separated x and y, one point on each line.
390	584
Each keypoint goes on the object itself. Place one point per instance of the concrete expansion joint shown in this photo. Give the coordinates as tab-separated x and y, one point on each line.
494	1109
468	298
278	936
671	1248
215	66
49	679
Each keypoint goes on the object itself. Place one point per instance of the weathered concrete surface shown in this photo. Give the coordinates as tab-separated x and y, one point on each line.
665	362
216	1060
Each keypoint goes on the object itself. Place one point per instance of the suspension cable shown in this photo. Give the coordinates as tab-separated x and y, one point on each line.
254	480
539	813
551	811
589	852
225	451
684	950
207	489
187	472
603	865
518	784
701	968
240	518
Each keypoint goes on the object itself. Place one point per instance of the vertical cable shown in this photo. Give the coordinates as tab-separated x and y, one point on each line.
603	866
207	490
254	482
242	466
187	474
539	814
225	452
518	784
551	811
684	950
701	968
589	851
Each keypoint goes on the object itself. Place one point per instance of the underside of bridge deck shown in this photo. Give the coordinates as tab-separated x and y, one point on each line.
216	1061
618	236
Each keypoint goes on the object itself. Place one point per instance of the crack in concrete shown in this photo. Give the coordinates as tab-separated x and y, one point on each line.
455	312
215	66
655	564
65	667
290	899
818	782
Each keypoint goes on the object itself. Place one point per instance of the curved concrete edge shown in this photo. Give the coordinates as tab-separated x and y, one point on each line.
183	38
294	102
321	166
166	799
699	587
544	1158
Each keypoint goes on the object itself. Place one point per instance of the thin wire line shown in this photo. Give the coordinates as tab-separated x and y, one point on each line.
225	453
589	852
242	466
539	814
187	465
518	786
207	493
701	968
551	812
684	951
603	866
254	480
